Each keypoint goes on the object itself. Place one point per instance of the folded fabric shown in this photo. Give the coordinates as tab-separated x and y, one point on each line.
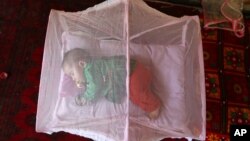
224	14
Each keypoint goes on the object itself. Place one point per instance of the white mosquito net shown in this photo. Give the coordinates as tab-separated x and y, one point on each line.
122	71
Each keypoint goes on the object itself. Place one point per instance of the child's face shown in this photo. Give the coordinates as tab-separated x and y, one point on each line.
76	73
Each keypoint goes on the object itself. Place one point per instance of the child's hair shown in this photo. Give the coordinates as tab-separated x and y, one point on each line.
73	56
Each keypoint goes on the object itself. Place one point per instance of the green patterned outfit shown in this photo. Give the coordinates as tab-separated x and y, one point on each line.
106	77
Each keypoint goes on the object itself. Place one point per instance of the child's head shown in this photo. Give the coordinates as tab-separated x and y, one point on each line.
73	64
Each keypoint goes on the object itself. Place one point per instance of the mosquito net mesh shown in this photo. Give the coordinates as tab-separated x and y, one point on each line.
122	71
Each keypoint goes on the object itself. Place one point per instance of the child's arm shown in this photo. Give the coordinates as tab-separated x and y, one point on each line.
90	87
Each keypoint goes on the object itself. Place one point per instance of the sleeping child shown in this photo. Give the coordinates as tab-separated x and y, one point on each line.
106	77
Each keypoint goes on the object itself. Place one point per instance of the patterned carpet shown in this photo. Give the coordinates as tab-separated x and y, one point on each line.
23	26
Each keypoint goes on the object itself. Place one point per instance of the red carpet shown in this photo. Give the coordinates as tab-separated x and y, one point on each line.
23	26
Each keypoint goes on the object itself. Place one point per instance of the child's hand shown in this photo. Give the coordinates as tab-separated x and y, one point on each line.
80	84
80	100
